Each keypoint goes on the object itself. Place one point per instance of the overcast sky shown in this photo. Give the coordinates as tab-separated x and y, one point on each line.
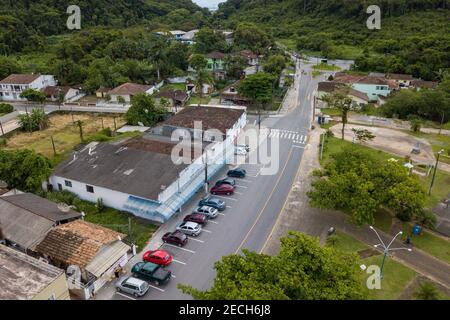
208	3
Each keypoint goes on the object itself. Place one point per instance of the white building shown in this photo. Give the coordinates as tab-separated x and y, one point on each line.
127	90
188	37
69	93
139	175
12	86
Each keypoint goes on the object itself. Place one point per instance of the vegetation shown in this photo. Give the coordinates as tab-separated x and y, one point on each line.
144	111
359	183
339	100
303	270
34	121
258	88
6	108
33	95
427	291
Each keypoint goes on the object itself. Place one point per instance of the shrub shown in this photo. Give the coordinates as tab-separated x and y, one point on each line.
6	108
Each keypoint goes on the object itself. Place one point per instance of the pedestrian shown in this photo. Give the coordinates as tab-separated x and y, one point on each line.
117	272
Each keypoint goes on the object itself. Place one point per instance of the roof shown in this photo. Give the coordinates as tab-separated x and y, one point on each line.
424	84
53	90
189	35
359	94
41	207
76	242
103	89
136	167
130	89
346	78
218	118
397	76
327	86
373	80
23	277
106	257
177	32
22	226
248	54
20	78
177	95
216	55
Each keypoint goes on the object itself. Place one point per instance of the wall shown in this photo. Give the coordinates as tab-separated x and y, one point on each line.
371	91
57	290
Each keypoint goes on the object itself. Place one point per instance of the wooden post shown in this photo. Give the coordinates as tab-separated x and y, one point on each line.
53	145
103	125
115	125
1	127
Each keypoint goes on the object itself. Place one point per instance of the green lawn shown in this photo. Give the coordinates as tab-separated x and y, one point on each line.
396	278
326	67
174	86
428	242
328	125
346	243
197	100
316	73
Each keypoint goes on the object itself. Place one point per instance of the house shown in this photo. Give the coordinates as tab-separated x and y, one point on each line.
176	98
327	87
102	92
359	98
89	252
12	86
403	80
189	37
229	37
127	90
422	84
69	93
373	86
252	58
141	175
26	218
26	278
216	64
230	96
191	88
177	34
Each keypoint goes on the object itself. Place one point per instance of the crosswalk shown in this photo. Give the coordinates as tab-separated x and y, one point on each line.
294	136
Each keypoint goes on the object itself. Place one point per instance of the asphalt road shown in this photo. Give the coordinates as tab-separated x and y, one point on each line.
251	212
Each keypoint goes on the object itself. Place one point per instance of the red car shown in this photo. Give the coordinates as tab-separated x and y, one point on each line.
197	218
223	189
159	257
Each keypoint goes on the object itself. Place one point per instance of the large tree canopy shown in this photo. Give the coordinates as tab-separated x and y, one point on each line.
144	111
303	270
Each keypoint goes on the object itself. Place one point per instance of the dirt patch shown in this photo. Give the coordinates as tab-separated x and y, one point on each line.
392	141
367	253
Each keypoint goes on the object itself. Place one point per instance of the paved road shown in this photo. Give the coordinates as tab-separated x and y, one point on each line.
251	212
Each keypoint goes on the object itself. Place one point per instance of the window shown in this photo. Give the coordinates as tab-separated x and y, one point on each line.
60	187
68	183
90	189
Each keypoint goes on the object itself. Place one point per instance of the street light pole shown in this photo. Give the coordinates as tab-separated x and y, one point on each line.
435	169
442	122
386	248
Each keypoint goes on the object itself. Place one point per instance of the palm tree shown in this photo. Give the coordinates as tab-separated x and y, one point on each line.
203	77
427	291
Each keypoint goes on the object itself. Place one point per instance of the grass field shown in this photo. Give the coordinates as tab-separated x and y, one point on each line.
197	100
347	243
65	133
326	67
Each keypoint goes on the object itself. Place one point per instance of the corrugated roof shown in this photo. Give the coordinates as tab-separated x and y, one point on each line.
106	257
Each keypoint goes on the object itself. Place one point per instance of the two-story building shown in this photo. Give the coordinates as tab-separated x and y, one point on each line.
12	86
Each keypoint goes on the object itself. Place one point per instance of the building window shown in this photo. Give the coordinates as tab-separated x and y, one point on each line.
90	189
68	183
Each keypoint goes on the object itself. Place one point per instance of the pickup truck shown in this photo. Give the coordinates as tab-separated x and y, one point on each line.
151	272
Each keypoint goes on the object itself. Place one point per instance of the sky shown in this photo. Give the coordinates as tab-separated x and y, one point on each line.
208	3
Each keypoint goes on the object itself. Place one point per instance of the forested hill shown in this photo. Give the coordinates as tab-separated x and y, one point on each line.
414	36
29	20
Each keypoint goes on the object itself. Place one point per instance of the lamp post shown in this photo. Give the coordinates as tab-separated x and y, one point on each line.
435	169
386	248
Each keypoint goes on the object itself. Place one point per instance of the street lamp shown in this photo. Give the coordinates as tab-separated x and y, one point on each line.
435	168
387	248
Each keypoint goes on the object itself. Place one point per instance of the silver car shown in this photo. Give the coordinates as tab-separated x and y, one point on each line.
190	228
133	286
209	212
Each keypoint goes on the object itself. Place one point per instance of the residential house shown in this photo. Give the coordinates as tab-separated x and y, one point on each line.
102	92
251	57
359	98
191	88
422	84
216	64
26	278
231	96
373	86
177	34
12	86
90	253
189	37
69	93
327	87
176	98
229	37
140	175
403	80
127	90
26	218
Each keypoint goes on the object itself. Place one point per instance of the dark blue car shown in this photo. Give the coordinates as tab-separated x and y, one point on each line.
213	202
237	173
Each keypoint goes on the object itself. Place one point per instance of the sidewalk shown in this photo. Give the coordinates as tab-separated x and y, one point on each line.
298	215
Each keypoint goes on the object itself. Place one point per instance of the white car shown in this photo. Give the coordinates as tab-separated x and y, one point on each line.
209	212
239	151
190	228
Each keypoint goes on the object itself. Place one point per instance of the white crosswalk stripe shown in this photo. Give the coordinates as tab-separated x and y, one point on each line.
294	136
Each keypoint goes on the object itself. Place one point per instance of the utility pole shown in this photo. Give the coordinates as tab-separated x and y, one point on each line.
206	171
442	122
322	146
53	145
435	169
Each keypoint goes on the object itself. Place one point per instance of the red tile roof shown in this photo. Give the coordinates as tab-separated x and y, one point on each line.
20	78
130	89
216	55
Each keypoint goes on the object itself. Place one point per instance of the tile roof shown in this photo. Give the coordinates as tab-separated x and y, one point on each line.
23	277
397	76
346	78
76	242
216	55
20	78
328	86
177	95
359	94
424	84
248	54
53	90
130	89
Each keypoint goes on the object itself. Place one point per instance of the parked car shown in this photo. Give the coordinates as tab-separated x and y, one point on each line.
160	257
223	189
240	151
197	218
151	272
237	173
177	238
133	286
190	228
209	212
213	202
229	181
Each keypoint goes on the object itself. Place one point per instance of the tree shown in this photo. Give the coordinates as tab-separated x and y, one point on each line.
144	111
198	61
363	135
24	169
234	66
427	291
207	40
34	121
416	124
202	77
339	99
303	270
251	37
275	65
80	128
357	182
33	95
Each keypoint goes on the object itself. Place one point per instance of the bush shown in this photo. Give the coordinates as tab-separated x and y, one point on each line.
99	205
6	108
3	142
